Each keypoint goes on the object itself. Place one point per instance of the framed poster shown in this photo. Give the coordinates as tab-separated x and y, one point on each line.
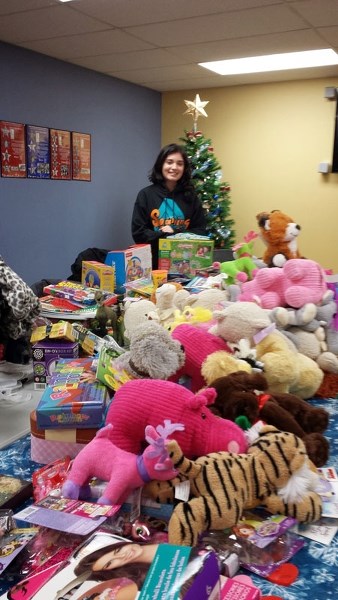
13	153
60	154
81	156
37	148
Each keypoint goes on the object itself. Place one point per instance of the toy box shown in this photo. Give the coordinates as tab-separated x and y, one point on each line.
185	256
73	398
98	275
130	264
106	373
48	445
174	573
46	353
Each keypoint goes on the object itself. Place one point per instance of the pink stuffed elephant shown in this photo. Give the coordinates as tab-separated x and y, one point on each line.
149	401
299	281
123	471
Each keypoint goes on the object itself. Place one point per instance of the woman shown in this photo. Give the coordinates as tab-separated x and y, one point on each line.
170	205
124	559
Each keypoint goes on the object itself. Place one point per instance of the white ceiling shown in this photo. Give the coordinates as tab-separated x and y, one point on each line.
159	43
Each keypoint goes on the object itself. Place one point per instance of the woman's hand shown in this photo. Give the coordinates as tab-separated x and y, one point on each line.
167	229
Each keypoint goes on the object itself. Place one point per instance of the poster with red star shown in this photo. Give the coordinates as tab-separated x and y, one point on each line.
13	154
60	154
81	156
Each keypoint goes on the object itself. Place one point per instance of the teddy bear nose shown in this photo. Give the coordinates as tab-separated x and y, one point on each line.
298	227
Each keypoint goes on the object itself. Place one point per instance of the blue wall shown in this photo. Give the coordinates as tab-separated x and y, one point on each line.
44	224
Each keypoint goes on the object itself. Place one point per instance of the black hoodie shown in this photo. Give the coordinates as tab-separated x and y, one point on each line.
155	207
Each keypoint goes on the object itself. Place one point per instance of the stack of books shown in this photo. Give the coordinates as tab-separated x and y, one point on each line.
71	300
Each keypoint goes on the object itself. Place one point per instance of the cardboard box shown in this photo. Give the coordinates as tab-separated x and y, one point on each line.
185	256
98	275
130	264
48	445
236	589
46	353
73	399
106	373
172	575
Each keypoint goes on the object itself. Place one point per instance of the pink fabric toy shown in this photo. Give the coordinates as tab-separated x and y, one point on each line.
299	281
124	471
197	344
149	401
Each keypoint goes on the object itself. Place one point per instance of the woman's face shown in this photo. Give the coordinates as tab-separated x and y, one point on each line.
173	168
118	557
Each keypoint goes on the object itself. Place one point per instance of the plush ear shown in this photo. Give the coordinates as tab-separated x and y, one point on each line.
262	218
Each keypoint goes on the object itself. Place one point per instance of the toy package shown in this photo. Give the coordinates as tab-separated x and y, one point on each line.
98	275
184	255
74	398
152	570
130	264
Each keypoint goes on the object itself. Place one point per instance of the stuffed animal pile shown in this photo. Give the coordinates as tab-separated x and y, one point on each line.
275	473
217	384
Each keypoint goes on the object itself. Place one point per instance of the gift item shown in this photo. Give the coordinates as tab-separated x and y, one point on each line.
74	397
48	445
185	255
46	353
130	264
167	572
98	275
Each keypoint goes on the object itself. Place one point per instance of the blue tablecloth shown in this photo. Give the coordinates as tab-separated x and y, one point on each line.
318	564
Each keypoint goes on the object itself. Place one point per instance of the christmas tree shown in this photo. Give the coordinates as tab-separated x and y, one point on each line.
213	193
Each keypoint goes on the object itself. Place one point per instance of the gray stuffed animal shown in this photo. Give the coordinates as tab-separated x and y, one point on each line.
152	353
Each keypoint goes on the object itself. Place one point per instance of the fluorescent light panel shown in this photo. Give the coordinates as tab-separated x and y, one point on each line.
273	62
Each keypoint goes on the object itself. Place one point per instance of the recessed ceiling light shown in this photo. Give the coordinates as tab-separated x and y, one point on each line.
65	0
273	62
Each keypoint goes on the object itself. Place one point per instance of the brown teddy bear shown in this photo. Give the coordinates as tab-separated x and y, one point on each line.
237	396
279	233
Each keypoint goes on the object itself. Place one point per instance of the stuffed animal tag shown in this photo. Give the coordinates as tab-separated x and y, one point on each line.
182	491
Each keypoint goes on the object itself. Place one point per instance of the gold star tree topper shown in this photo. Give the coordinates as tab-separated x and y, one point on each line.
196	109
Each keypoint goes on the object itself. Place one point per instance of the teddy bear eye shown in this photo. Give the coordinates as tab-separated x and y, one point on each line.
203	415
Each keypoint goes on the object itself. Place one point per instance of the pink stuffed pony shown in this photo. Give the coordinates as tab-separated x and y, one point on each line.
122	470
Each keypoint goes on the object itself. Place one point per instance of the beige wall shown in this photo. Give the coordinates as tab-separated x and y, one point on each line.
269	140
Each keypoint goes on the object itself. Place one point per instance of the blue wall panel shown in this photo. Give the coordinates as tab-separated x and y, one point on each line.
44	224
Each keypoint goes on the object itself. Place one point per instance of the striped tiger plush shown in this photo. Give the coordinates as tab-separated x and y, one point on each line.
274	474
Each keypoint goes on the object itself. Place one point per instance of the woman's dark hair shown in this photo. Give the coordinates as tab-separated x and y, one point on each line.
135	571
155	175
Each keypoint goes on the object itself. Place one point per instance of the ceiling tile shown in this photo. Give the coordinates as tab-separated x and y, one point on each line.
8	7
318	12
217	27
123	13
93	44
274	43
44	23
145	59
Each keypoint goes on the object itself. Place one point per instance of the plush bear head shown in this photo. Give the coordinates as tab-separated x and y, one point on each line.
279	233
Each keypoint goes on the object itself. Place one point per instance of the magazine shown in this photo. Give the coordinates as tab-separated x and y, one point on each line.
140	570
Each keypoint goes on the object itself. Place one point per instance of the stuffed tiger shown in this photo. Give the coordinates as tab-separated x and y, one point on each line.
274	474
